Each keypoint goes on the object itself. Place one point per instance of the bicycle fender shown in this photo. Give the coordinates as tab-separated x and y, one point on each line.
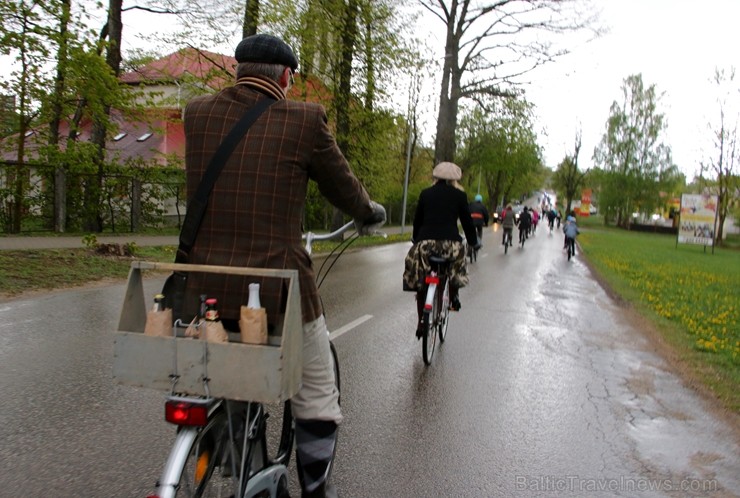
167	486
431	290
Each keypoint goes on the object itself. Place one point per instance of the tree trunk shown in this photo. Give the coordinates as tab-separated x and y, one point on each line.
60	177
251	18
135	204
344	95
370	60
94	219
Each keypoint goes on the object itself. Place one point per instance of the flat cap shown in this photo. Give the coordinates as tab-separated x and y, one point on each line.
267	49
447	171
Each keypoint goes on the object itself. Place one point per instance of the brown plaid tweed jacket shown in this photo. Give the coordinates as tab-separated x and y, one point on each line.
255	210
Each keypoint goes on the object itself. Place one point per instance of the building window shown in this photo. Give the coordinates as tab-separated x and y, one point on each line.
119	136
144	137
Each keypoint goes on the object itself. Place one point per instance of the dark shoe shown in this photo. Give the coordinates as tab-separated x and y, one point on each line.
325	490
419	331
455	304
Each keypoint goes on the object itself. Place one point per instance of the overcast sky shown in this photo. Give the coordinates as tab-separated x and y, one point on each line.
674	44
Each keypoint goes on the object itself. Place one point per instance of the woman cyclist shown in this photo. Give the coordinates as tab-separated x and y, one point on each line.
508	223
435	233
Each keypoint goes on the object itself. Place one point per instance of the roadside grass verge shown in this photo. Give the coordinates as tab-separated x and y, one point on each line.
49	269
689	294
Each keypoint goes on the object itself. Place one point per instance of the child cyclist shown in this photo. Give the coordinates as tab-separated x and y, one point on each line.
571	232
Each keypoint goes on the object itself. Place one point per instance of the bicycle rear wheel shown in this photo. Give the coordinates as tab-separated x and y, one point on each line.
204	471
336	368
444	312
430	334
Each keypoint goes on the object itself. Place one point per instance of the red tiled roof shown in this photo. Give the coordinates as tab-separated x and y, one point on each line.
200	64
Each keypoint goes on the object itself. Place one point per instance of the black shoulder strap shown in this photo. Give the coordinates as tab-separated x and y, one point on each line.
197	205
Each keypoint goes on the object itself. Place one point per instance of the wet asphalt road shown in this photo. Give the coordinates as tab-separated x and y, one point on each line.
541	389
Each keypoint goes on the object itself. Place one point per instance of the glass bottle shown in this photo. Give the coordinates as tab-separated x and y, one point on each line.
254	296
211	314
158	303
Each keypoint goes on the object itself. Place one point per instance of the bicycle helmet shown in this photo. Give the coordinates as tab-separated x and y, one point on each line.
478	197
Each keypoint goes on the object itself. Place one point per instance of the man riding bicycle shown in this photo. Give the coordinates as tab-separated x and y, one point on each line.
479	214
286	146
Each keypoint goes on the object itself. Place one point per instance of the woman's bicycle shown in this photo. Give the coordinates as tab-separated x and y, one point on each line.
221	445
472	252
435	294
507	239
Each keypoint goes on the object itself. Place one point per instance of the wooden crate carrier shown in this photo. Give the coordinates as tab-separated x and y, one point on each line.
264	373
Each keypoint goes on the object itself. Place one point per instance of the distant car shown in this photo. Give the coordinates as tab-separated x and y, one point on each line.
498	215
592	210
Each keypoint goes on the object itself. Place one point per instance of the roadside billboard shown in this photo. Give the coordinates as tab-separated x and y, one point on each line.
698	216
585	208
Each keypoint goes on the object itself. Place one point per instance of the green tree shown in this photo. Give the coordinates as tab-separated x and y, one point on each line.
23	34
636	163
568	179
722	163
484	52
499	149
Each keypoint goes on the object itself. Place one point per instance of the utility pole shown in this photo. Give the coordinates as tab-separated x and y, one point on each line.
480	172
412	96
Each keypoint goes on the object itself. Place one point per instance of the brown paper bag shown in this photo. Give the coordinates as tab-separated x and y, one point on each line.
213	332
159	323
194	328
253	325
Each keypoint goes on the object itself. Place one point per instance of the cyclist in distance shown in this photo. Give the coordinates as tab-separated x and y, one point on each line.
288	145
435	233
551	215
508	223
525	223
570	228
479	213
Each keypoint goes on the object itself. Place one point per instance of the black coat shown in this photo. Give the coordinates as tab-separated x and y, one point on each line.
477	207
439	208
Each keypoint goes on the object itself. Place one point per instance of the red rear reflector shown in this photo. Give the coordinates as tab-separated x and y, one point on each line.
427	306
432	280
184	413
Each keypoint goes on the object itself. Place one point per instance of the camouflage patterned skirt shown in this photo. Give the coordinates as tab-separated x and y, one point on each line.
417	262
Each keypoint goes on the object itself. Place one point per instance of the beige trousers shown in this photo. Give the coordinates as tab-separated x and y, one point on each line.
318	398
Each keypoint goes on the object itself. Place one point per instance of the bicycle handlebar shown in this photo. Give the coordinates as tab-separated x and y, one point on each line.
309	237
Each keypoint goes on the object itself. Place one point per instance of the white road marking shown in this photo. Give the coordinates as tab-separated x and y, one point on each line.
349	326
